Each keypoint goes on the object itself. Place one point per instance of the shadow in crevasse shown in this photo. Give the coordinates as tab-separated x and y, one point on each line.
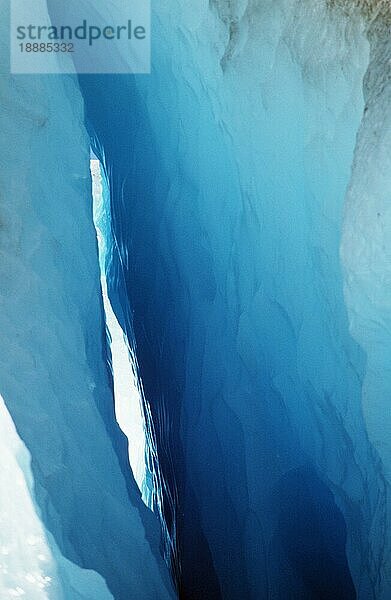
310	539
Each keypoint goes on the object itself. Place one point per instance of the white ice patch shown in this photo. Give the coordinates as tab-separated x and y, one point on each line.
128	401
31	565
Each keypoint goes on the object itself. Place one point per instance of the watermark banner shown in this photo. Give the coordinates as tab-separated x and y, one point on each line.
64	36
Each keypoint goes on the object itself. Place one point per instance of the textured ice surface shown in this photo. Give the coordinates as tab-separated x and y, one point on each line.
228	170
366	256
54	373
31	565
257	148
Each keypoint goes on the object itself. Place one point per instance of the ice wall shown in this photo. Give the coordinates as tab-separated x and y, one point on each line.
31	564
365	249
228	169
54	375
366	254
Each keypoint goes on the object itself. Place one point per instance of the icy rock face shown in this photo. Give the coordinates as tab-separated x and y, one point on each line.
228	170
53	361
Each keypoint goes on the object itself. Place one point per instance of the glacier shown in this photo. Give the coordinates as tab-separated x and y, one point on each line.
31	563
246	254
55	376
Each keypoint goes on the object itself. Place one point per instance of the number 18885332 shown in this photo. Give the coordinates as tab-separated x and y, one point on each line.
46	47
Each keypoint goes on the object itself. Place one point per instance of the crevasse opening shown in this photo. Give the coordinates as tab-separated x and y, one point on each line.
132	410
242	214
127	394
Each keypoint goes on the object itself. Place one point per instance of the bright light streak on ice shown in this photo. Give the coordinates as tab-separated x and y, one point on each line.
127	397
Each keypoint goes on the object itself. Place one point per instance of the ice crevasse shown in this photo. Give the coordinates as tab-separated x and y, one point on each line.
55	377
249	265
